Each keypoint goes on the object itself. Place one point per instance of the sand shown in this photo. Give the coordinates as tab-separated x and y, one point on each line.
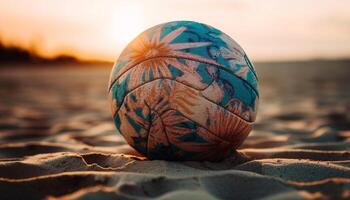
57	141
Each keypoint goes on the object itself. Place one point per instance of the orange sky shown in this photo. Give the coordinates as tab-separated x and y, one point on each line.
266	29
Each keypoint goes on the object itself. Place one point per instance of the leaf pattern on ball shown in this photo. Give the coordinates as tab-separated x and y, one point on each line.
184	91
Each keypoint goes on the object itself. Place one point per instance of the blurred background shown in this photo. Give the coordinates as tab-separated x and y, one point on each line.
56	56
270	30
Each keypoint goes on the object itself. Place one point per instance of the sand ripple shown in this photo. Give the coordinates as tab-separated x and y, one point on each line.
57	141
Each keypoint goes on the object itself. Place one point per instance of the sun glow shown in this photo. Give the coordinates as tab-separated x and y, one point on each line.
127	22
101	29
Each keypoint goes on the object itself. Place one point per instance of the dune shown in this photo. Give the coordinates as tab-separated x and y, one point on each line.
58	141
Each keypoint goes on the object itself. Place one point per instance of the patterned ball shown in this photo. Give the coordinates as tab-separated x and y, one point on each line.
184	91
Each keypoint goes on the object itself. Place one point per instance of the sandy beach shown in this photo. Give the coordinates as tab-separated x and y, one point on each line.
58	141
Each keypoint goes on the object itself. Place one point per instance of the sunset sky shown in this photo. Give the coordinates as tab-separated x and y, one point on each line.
266	29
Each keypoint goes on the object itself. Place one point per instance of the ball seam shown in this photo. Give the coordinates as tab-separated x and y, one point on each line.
116	111
187	58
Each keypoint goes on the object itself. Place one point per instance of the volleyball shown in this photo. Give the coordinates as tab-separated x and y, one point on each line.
184	90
